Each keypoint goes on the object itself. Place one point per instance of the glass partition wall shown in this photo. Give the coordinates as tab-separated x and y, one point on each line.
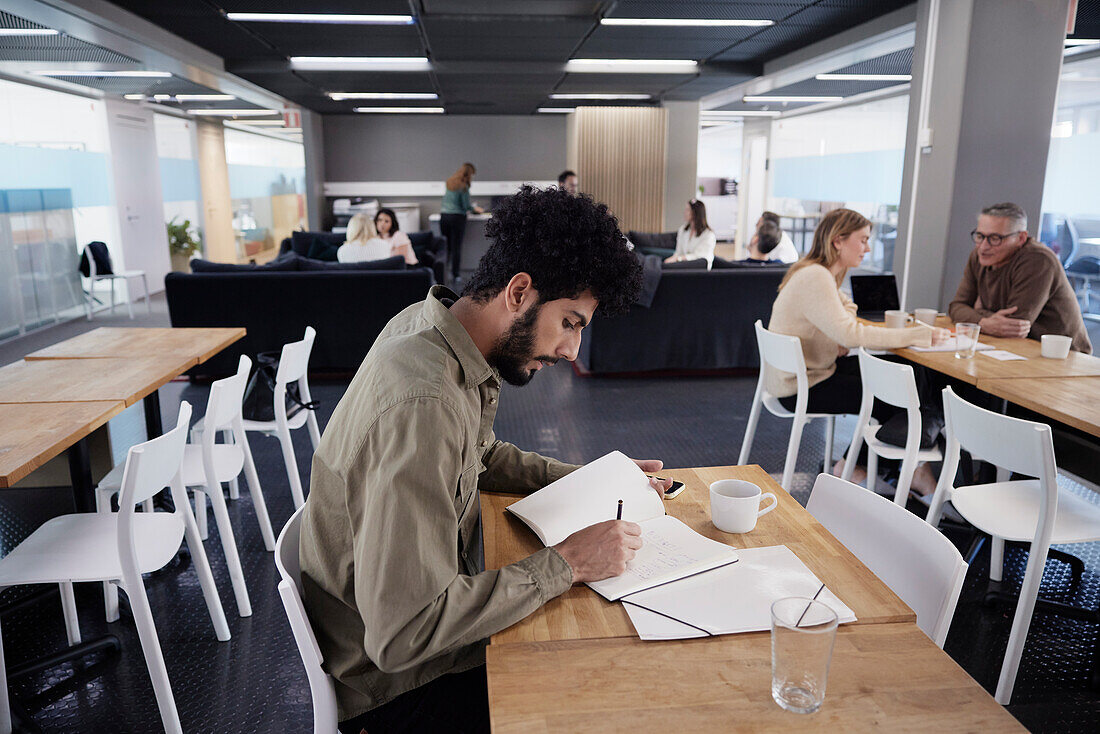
1070	222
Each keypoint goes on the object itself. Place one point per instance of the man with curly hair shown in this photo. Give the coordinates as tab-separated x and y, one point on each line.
392	568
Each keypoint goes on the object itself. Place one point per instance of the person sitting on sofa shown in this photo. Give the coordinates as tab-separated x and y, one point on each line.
362	242
389	231
763	243
785	250
811	306
695	240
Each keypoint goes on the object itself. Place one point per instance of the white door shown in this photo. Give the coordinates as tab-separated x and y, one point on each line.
143	239
757	179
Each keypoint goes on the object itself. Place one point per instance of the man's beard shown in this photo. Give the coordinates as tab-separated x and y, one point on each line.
516	348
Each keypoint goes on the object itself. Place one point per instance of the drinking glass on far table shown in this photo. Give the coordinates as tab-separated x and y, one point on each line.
966	340
803	631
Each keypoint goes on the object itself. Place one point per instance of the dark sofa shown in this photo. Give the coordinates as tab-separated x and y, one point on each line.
348	308
699	320
430	249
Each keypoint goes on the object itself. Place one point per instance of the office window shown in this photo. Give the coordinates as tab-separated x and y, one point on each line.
55	196
1070	223
847	157
267	186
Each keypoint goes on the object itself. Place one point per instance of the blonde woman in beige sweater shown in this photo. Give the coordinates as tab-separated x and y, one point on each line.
811	306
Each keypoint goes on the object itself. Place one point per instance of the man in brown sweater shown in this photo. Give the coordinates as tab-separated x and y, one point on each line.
1014	286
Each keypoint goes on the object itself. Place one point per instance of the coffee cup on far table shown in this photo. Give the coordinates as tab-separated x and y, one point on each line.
897	319
926	315
735	505
1055	346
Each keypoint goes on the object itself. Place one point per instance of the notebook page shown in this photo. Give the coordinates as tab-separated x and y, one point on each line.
735	598
670	550
587	496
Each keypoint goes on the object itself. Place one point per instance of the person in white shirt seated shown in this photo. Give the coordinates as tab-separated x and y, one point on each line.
785	250
364	243
385	223
763	243
695	240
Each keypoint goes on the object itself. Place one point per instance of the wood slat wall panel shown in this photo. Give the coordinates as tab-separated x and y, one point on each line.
620	157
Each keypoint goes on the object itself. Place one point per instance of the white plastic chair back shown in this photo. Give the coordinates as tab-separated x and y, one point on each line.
294	360
780	351
153	465
1012	444
290	590
910	556
888	381
226	396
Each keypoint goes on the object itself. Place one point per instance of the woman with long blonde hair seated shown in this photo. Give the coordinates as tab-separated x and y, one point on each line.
811	306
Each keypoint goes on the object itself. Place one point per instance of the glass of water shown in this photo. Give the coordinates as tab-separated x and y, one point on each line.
803	631
966	339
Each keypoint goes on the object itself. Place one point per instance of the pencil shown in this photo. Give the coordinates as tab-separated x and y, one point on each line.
619	512
819	590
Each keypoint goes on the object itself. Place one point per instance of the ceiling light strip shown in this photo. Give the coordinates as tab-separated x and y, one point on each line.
402	110
234	113
348	63
351	18
339	96
555	110
632	66
687	22
601	96
28	32
123	74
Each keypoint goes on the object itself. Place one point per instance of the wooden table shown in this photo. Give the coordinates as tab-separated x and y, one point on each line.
981	368
888	677
112	365
581	613
1074	401
33	433
79	380
199	344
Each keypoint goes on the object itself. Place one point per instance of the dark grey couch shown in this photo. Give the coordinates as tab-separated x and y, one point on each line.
348	308
699	320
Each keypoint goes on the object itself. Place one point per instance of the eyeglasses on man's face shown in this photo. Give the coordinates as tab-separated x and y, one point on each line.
994	239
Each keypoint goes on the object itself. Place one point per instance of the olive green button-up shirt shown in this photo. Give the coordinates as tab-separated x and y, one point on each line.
391	554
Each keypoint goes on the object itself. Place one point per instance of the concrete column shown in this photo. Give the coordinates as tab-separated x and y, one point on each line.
313	142
985	77
219	241
681	167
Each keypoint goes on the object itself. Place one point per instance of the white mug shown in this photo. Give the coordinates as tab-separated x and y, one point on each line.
1055	346
897	319
926	315
735	505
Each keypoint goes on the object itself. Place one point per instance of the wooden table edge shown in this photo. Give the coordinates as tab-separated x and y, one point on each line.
117	406
240	332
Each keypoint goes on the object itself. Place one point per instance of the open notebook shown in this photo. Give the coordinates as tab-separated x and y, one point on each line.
728	600
670	549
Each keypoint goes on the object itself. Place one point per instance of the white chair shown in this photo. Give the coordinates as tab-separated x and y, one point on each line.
290	589
894	384
784	353
1033	511
914	559
206	465
293	365
119	548
94	276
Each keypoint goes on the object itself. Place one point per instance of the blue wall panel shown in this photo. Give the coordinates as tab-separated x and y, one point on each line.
871	176
179	179
88	175
248	182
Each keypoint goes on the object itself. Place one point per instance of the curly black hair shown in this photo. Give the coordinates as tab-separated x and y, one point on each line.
567	243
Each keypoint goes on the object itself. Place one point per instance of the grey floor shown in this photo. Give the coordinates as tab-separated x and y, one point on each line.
255	682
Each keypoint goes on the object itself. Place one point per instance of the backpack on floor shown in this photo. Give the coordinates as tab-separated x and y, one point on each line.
259	395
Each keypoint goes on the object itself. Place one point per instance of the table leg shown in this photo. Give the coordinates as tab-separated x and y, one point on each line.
80	474
153	425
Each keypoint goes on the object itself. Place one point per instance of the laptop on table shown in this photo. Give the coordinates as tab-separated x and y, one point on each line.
874	295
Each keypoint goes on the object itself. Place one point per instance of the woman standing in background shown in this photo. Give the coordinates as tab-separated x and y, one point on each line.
452	213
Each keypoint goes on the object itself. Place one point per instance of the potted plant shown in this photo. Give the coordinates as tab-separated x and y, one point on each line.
182	244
